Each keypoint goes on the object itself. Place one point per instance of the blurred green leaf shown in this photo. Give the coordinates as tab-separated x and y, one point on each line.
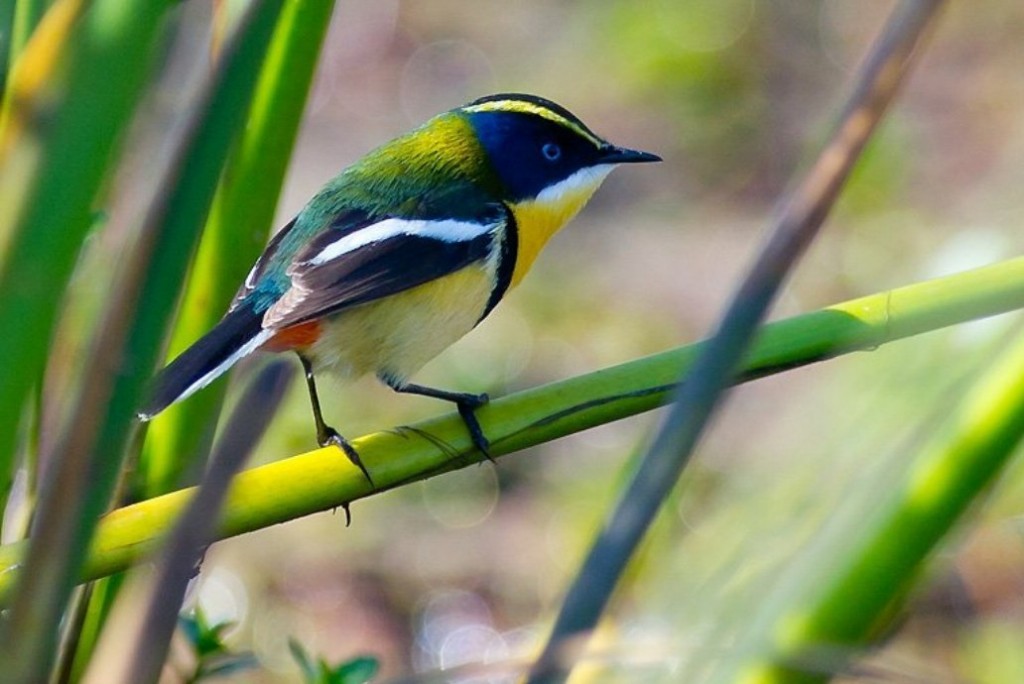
98	603
842	593
358	670
306	664
6	38
236	231
72	93
205	638
27	14
214	657
91	450
226	666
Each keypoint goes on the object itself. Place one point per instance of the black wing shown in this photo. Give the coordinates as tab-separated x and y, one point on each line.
385	258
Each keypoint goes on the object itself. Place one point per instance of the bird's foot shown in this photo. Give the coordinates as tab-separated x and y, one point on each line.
465	402
330	437
467	405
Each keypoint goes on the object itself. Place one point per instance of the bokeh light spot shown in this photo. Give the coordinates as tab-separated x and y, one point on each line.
464	498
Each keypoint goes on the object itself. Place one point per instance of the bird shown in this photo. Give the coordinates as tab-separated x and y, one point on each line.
405	251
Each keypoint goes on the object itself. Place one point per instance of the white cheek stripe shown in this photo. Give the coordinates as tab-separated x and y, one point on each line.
446	231
584	179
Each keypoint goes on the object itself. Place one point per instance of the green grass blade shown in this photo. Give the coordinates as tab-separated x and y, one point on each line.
18	21
27	14
237	229
193	532
824	611
93	446
101	597
6	38
235	232
59	135
179	223
322	479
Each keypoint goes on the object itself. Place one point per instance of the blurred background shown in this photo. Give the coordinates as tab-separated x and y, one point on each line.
736	95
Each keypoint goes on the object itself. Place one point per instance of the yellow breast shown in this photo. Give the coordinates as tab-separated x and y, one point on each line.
541	217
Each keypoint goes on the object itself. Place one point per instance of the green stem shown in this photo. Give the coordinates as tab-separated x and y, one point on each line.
323	479
237	229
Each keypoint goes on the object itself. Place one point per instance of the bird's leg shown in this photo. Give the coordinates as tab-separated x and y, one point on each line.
465	402
325	434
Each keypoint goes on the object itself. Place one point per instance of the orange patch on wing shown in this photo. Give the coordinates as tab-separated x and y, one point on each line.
296	337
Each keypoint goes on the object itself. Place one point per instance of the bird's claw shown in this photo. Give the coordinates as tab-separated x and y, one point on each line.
330	437
466	407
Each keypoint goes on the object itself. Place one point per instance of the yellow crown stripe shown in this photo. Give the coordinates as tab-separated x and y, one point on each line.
524	107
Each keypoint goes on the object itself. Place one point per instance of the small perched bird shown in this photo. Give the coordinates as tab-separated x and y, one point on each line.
406	251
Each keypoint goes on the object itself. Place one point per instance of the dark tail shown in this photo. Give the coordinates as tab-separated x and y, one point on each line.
238	334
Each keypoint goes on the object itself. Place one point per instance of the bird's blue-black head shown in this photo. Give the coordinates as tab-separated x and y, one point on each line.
533	143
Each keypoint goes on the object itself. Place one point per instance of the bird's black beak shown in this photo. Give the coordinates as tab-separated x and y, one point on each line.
610	154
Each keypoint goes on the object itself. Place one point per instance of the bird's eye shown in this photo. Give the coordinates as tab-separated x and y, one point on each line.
551	151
